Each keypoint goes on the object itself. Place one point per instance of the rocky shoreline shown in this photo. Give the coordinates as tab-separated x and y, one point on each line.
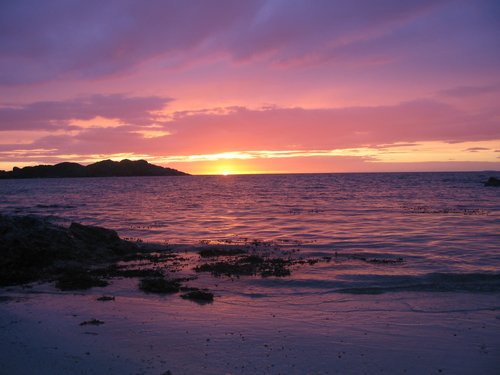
80	257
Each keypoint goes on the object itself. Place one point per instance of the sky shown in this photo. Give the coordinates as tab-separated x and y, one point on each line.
254	86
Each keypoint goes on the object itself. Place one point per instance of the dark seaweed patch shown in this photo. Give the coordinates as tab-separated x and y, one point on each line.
159	285
93	322
78	279
248	266
216	252
105	298
200	296
117	271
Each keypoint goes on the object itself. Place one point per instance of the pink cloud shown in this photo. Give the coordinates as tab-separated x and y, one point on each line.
242	129
298	128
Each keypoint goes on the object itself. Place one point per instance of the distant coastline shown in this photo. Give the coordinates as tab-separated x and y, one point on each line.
104	168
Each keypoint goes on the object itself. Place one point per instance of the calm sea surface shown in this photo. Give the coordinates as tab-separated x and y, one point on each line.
436	222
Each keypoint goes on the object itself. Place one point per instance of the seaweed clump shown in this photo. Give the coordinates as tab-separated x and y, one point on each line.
93	322
216	252
105	298
248	266
198	295
159	285
78	279
120	271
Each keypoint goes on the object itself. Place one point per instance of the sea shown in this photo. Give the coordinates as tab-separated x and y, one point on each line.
371	232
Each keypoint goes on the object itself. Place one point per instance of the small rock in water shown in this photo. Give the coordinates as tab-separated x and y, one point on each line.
492	181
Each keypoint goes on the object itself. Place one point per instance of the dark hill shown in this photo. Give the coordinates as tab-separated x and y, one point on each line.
105	168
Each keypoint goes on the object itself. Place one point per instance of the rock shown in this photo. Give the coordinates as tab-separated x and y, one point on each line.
32	248
492	181
91	233
100	238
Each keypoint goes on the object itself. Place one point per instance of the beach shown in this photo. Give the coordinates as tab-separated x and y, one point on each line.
393	333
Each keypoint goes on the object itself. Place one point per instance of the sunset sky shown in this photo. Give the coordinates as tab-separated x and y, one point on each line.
213	86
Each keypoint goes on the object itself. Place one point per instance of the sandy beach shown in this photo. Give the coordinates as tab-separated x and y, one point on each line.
244	331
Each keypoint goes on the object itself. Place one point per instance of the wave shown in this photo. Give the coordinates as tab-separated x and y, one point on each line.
434	282
378	284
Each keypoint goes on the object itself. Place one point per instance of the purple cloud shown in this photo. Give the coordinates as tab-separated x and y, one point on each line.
45	115
41	41
468	91
93	39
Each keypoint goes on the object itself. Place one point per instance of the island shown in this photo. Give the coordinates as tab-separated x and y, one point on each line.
104	168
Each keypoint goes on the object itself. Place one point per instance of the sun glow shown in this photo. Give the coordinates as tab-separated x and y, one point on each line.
225	173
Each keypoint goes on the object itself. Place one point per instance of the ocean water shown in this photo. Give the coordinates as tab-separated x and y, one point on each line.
380	232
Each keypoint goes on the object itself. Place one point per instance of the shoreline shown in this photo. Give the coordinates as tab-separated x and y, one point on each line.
251	312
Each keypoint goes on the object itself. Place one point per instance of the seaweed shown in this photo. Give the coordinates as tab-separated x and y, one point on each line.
105	298
159	285
78	279
384	261
198	295
117	271
215	252
248	266
93	322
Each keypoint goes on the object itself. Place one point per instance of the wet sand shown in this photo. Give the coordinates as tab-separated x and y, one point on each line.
243	332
